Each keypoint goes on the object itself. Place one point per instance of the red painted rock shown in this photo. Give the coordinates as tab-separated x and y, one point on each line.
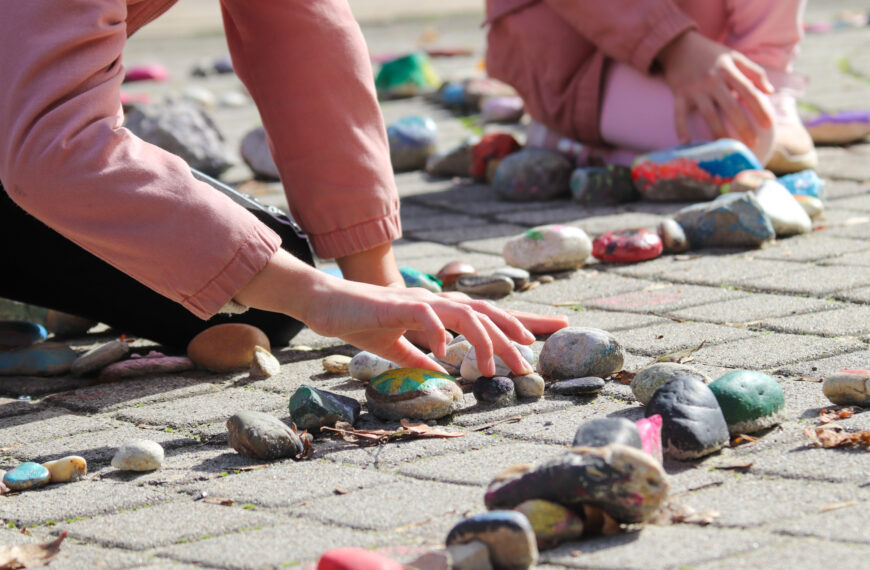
227	347
356	559
491	147
450	273
626	246
149	72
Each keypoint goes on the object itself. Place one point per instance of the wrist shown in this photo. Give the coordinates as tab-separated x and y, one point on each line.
676	49
376	266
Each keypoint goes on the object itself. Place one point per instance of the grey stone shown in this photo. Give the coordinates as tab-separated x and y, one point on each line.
734	220
494	286
654	376
256	434
138	455
96	358
529	386
532	174
256	154
587	386
577	352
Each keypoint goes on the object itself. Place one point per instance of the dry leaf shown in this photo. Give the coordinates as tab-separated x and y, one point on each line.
29	555
835	506
624	376
486	426
371	436
681	356
742	438
808	379
338	491
734	466
674	512
827	416
832	437
224	502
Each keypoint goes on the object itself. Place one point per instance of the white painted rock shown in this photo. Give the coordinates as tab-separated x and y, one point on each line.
785	213
470	371
365	366
138	455
548	248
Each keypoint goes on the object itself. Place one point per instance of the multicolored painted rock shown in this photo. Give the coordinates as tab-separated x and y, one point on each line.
27	475
508	535
532	175
450	273
529	386
627	246
414	393
650	430
578	352
416	278
787	217
98	358
839	128
751	401
812	206
42	359
350	558
692	422
406	76
848	388
548	248
138	455
20	334
552	523
588	386
732	220
605	431
259	435
597	185
366	365
495	391
491	286
502	109
673	237
454	162
748	180
691	173
412	141
146	72
804	183
311	408
67	469
652	377
492	147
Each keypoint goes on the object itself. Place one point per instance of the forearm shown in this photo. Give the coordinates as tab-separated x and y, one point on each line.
376	266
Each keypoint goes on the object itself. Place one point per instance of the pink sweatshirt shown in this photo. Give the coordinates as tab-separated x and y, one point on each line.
65	158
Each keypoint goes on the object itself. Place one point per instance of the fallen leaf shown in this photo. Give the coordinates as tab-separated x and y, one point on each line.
734	466
827	416
486	426
807	379
224	502
832	437
372	436
674	512
29	555
681	356
624	376
742	438
835	506
338	491
659	336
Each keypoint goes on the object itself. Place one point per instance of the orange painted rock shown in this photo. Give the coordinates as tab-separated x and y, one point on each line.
450	273
227	347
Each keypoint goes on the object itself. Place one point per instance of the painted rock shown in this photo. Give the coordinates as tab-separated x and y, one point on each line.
533	174
350	558
259	435
412	141
27	475
98	358
578	352
255	152
365	366
627	246
227	347
223	65
508	535
311	409
848	388
502	109
812	206
520	277
42	359
492	286
470	371
650	430
454	162
200	95
413	393
692	422
624	482
67	469
733	220
233	99
454	355
407	76
673	237
450	273
587	386
496	391
452	94
691	173
652	377
147	72
264	365
552	523
605	431
64	324
336	363
494	146
20	334
548	248
804	183
153	363
416	278
472	555
479	89
529	386
839	128
749	180
598	185
138	455
786	215
750	401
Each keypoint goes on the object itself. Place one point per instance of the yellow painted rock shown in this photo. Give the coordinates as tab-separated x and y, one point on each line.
67	469
414	393
227	347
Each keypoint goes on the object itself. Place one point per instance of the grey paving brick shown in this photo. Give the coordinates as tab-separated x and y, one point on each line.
705	269
445	224
15	407
847	321
820	281
812	248
795	553
106	397
856	225
856	295
584	284
847	524
466	236
48	424
817	368
473	199
837	163
772	351
579	316
557	212
663	298
75	555
559	427
39	385
597	225
800	461
406	249
189	412
472	415
836	189
754	308
861	258
660	339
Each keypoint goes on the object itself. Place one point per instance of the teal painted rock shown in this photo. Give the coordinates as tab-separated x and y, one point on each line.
414	393
508	535
412	141
548	248
416	278
651	378
407	76
28	475
552	523
311	409
532	175
366	365
20	334
751	401
848	388
578	352
804	183
732	220
43	359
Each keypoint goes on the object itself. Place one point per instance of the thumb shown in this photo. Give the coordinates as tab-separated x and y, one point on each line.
406	355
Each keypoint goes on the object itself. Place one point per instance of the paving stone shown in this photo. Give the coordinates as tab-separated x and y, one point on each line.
116	395
663	298
836	189
436	224
847	524
189	412
754	308
856	225
847	321
772	351
307	337
796	553
559	427
581	285
706	269
817	368
800	461
13	407
856	203
818	281
473	199
471	415
406	250
48	424
580	316
74	556
812	247
661	339
597	225
467	236
861	258
39	385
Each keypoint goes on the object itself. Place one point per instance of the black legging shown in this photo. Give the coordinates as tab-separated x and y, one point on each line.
41	267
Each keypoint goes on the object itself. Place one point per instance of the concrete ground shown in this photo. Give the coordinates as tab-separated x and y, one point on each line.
797	309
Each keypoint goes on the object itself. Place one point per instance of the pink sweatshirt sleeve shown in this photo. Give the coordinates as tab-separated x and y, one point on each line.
306	65
65	158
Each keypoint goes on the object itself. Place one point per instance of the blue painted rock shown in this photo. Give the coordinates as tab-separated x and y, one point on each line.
520	277
350	558
413	393
412	141
496	391
552	523
750	401
27	475
20	334
98	358
748	180
138	455
673	237
452	94
507	534
366	365
223	64
848	388
597	185
624	482
254	149
492	286
67	469
588	386
406	76
692	422
577	352
416	278
812	206
650	430
503	109
605	431
226	347
804	183
311	409
733	220
470	371
787	217
454	162
529	386
532	174
548	248
64	324
259	435
627	246
152	364
839	128
691	173
42	359
652	377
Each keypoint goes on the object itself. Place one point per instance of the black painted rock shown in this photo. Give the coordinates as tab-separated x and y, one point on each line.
532	174
312	409
496	391
578	386
259	435
603	185
507	534
692	421
604	431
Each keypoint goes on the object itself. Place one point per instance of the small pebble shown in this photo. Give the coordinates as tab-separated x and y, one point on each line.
414	393
227	347
200	95
100	357
594	186
578	386
673	237
692	421
453	163
27	475
264	365
492	286
67	469
223	64
578	352
786	215
604	431
502	109
750	180
848	388
544	279
496	391
233	99
529	386
254	150
450	273
520	277
259	435
454	355
336	363
507	534
138	455
366	365
311	409
812	206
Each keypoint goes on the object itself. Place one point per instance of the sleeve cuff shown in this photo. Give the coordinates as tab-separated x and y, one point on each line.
667	22
355	239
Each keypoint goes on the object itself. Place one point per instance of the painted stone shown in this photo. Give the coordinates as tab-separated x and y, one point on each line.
600	185
259	435
65	325
407	76
226	347
673	237
495	391
508	535
529	386
848	388
733	220
605	431
578	352
548	248
804	183
692	422
223	65
351	558
27	475
414	393
20	334
479	89
627	246
691	173
67	469
412	141
454	162
652	377
552	523
254	149
502	109
492	286
153	363
472	555
416	278
200	95
623	481
42	359
520	277
452	94
450	273
494	146
470	371
146	72
531	175
812	206
787	217
365	366
748	180
336	363
311	409
587	386
233	99
264	364
650	430
138	455
98	358
839	128
454	355
750	401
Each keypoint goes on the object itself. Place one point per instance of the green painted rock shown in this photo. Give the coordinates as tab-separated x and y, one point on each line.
406	76
414	393
312	409
654	376
848	388
552	523
751	401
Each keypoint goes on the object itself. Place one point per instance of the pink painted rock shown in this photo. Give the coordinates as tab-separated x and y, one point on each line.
350	558
651	435
627	246
153	363
502	109
148	72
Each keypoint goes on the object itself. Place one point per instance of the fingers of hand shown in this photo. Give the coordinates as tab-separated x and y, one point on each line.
503	347
736	114
750	97
505	321
754	72
710	114
407	355
539	324
462	318
681	119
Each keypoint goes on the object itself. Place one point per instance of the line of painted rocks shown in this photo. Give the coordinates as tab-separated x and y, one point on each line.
262	436
548	248
312	408
627	246
507	535
532	175
138	455
412	141
414	393
601	185
848	388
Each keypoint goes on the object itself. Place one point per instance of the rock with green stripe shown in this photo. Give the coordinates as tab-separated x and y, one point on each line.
751	401
414	393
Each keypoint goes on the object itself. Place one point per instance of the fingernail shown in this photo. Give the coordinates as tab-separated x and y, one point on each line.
527	335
